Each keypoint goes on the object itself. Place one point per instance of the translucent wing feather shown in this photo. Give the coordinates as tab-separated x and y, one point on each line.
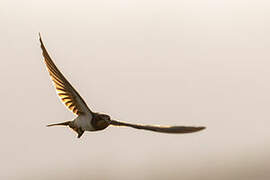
69	96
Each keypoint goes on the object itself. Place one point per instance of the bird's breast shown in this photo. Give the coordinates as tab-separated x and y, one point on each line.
84	122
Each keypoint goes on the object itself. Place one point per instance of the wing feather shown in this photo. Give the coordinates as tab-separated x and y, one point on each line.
69	96
157	128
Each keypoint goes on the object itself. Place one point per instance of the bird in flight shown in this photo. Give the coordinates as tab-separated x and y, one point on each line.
86	119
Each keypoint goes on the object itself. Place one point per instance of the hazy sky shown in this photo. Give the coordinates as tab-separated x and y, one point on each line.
189	62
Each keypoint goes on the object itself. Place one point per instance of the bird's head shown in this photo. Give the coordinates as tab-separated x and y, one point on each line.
101	121
105	117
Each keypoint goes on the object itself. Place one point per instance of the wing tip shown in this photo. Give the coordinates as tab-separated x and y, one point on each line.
39	36
199	128
40	39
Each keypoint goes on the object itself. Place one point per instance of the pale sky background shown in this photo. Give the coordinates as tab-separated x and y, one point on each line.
189	62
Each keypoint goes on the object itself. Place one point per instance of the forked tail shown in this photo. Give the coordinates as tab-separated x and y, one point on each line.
157	128
59	124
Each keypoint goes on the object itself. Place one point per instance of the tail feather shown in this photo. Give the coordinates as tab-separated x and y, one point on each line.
157	128
59	124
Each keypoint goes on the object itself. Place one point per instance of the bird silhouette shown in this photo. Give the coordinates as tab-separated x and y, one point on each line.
86	119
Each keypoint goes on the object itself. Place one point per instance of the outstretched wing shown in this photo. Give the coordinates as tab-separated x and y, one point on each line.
69	96
163	129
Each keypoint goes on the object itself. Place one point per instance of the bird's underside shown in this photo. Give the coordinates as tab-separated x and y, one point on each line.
86	119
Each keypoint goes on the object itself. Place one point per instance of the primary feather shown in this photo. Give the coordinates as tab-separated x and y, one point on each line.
69	96
158	128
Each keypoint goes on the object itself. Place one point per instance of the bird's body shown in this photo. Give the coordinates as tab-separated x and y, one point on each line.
88	120
84	122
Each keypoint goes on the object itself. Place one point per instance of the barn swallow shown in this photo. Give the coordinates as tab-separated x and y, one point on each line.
86	119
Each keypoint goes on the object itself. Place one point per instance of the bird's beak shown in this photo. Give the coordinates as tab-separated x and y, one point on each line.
59	124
